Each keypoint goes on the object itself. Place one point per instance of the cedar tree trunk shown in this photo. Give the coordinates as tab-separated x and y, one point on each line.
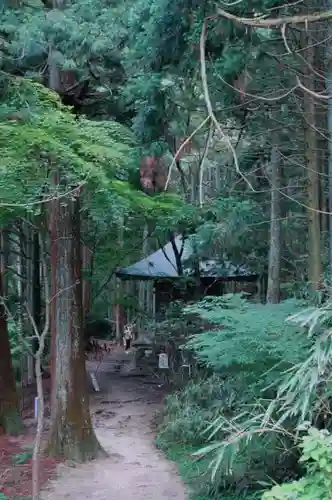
72	436
273	283
10	419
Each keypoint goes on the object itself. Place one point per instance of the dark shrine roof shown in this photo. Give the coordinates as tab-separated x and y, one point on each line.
162	264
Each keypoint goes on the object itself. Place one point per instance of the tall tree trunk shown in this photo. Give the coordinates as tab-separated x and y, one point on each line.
37	286
328	65
87	264
312	165
10	419
25	286
54	210
273	283
72	435
54	81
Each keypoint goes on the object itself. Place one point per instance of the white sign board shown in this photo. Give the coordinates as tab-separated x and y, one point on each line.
163	361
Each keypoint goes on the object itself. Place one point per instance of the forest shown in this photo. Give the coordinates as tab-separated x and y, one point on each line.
123	126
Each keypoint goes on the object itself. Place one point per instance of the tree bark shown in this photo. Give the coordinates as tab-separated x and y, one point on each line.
72	436
328	65
37	286
25	291
273	283
87	264
312	165
10	419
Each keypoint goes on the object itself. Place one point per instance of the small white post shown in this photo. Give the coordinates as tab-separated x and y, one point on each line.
36	408
94	382
163	361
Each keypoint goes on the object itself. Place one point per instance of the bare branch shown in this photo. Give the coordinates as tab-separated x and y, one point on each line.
72	192
201	165
311	92
283	34
262	22
39	379
183	145
222	134
257	97
32	321
231	4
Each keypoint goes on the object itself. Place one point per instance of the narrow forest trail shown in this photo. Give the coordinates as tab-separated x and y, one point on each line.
135	469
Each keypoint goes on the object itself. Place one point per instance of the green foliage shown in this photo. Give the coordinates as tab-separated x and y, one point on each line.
304	392
189	411
194	472
247	436
18	348
251	346
50	137
317	483
232	225
249	340
21	345
84	45
150	60
244	453
22	458
248	349
94	154
186	427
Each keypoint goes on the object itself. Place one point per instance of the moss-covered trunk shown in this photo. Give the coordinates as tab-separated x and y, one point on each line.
10	419
72	436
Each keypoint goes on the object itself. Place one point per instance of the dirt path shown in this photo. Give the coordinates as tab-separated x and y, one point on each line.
135	469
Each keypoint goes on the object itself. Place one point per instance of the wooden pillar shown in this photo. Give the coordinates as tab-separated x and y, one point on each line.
154	301
141	301
117	312
129	298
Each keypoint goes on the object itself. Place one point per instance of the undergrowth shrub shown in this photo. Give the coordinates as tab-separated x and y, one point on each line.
304	394
248	346
20	346
249	340
188	412
317	482
17	348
